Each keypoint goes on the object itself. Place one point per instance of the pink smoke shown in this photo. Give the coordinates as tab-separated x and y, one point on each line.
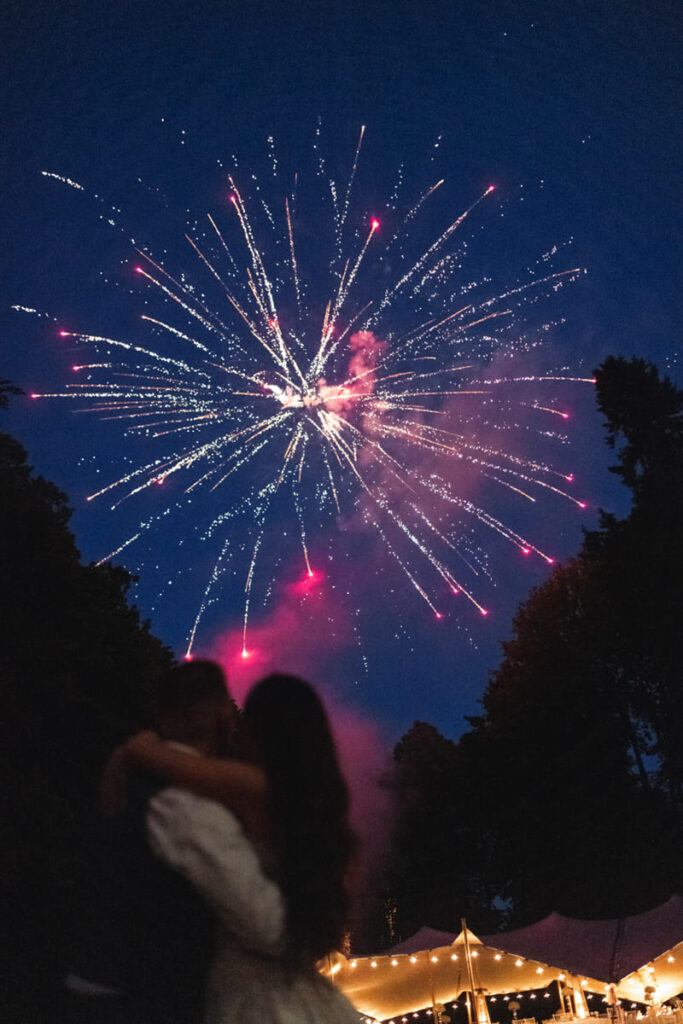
361	374
308	628
367	352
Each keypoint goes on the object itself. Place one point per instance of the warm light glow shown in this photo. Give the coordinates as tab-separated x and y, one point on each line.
518	963
435	959
413	959
394	963
497	956
373	963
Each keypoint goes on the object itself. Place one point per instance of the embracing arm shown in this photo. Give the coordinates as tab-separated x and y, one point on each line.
206	844
241	787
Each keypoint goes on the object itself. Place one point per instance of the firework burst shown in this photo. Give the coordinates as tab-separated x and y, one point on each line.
356	382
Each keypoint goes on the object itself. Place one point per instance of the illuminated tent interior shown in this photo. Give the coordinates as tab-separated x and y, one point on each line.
402	982
645	950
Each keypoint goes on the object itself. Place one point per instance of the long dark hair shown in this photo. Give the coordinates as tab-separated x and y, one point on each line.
309	811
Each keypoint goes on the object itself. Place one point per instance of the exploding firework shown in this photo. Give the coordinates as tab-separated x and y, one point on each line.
355	383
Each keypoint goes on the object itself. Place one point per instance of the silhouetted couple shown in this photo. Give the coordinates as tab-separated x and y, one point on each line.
220	880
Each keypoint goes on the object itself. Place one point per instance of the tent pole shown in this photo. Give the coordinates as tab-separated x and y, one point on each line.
468	958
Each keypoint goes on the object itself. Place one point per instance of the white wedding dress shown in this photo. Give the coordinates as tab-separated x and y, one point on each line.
249	983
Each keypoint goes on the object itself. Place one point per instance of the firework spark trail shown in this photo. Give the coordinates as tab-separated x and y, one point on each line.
337	424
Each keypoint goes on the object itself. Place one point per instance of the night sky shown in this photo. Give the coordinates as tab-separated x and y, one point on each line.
572	111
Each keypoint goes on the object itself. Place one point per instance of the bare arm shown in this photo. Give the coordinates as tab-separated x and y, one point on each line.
239	786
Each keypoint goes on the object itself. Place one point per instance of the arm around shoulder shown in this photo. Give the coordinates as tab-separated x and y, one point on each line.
241	787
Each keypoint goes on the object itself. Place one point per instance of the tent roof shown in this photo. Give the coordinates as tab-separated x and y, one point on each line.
601	949
632	951
425	938
401	982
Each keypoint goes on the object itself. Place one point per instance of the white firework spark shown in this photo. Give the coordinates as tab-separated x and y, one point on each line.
365	395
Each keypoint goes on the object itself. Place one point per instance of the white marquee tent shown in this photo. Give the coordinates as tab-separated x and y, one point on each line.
432	967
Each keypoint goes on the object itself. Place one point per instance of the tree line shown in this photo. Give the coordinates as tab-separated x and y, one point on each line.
566	792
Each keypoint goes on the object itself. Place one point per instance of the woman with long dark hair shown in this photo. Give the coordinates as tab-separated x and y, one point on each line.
292	800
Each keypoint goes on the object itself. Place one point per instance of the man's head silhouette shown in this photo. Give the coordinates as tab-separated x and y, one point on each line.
193	707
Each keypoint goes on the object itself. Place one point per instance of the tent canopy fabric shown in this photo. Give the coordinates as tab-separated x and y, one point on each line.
609	950
425	938
401	982
602	949
634	952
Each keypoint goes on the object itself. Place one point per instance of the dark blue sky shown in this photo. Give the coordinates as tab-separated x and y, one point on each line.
582	97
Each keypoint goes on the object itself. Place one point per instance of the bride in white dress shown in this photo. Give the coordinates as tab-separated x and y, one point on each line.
268	845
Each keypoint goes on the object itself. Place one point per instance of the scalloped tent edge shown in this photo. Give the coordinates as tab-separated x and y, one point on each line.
430	966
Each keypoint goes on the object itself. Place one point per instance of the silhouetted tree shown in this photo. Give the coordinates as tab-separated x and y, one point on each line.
566	791
642	556
76	667
443	847
590	685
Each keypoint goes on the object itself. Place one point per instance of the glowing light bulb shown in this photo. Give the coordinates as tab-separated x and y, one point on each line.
63	334
188	656
374	224
245	652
